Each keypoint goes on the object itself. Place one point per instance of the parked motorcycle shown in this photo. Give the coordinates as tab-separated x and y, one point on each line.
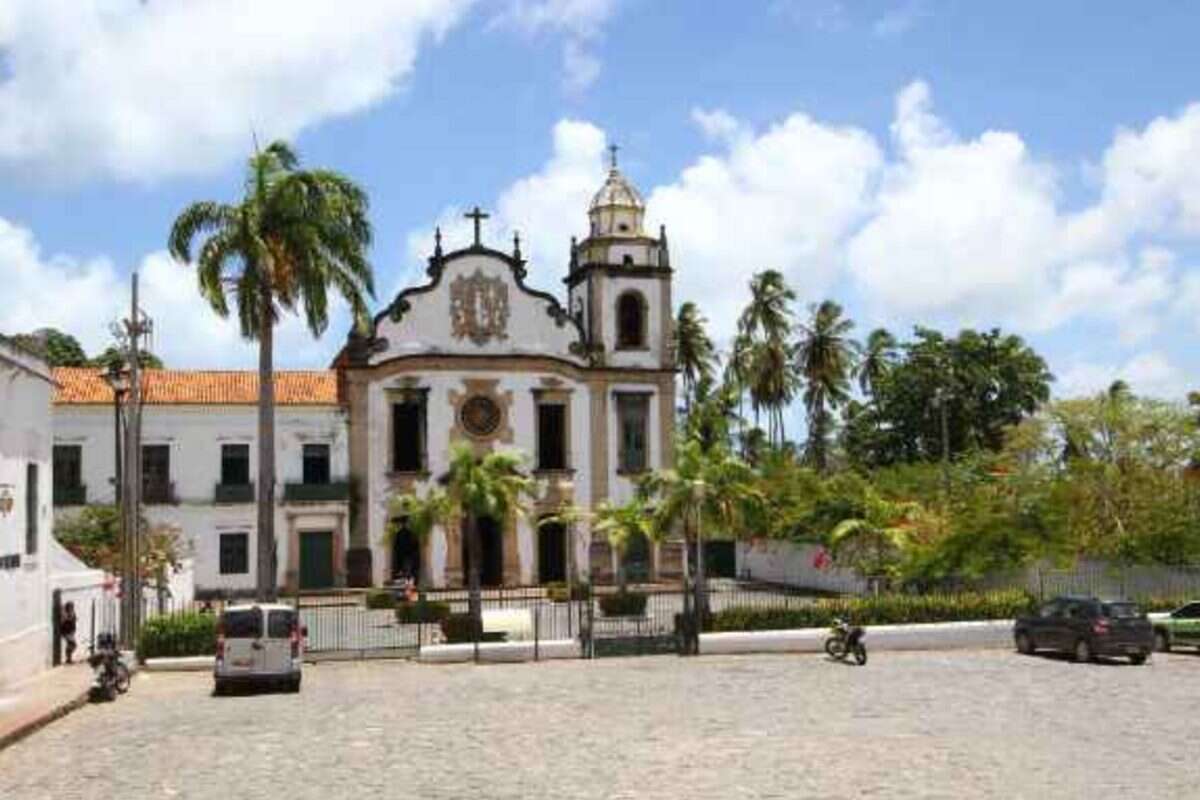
110	675
845	640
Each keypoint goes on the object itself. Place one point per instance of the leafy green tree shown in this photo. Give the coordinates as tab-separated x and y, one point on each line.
875	542
825	357
57	348
622	525
694	352
93	535
878	357
112	355
293	236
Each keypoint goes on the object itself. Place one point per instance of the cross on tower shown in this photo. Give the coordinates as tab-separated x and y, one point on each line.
476	215
612	159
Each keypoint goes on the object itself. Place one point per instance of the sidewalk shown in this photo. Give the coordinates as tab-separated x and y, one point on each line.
33	703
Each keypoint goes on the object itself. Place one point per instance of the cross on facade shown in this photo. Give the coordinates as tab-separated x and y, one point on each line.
612	160
476	215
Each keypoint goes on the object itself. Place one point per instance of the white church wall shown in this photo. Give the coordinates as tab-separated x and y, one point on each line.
440	423
194	435
25	438
651	290
427	327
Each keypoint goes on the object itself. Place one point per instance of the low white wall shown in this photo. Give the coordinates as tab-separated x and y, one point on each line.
936	636
499	651
791	563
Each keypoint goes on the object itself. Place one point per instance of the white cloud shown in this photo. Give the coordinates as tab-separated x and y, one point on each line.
139	91
781	199
1148	373
717	124
899	20
82	297
581	21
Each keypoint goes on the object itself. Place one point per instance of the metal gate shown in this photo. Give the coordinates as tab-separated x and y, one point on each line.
340	625
662	628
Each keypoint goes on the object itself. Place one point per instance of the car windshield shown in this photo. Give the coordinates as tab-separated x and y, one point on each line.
242	624
1121	610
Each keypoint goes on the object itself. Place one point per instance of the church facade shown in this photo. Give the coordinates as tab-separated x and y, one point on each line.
583	386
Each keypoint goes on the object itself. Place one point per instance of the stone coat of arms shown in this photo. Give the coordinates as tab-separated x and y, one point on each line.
479	308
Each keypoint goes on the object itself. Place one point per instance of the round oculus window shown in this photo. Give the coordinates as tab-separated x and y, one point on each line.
480	416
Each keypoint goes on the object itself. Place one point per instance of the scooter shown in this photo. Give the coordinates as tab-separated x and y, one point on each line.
846	639
110	675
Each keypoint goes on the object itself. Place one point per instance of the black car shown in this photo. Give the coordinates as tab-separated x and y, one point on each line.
1087	627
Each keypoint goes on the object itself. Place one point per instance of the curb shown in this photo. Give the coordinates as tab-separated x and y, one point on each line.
38	722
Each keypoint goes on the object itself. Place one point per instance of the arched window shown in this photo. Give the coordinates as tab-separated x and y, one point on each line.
631	321
627	260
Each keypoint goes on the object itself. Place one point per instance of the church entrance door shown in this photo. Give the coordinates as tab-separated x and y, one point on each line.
316	559
491	548
552	553
406	553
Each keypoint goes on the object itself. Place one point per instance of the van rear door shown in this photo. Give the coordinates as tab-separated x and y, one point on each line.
277	646
242	629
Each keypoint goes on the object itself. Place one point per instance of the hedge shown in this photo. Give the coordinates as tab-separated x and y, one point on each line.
623	604
189	634
380	599
421	611
460	628
557	592
881	610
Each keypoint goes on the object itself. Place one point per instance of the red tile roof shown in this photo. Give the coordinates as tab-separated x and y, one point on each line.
84	386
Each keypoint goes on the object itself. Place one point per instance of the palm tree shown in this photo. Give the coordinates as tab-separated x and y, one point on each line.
878	358
475	486
769	312
874	542
294	235
773	383
766	326
825	357
622	525
711	490
421	516
694	353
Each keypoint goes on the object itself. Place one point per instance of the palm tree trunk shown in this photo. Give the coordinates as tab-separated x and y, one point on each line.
265	587
701	595
474	601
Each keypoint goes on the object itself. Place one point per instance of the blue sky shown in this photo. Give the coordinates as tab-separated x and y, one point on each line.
1028	165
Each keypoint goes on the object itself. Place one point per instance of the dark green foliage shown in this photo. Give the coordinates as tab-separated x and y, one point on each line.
93	536
623	604
426	611
112	355
187	634
460	629
882	610
57	348
379	599
557	592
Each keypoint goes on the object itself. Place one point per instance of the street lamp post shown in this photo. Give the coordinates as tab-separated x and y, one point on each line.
566	493
117	377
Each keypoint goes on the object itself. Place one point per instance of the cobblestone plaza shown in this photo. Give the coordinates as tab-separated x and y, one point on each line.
953	725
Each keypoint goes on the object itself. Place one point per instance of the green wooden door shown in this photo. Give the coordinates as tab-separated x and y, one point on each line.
316	559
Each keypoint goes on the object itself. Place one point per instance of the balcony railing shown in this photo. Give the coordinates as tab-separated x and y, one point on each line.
234	493
159	493
70	495
316	492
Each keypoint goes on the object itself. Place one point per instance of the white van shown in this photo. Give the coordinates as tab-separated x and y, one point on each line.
259	643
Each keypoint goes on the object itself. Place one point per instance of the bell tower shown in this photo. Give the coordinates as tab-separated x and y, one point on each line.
619	280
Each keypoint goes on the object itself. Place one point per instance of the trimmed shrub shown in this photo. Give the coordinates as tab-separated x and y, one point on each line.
1153	605
623	604
421	611
460	629
557	592
380	599
882	610
188	634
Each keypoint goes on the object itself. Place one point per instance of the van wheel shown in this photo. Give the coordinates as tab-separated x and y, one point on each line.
1162	643
294	685
1083	651
219	688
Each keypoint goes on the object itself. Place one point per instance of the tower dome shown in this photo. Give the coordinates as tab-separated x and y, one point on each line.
617	209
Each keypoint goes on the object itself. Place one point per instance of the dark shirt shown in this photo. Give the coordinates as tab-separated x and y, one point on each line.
67	626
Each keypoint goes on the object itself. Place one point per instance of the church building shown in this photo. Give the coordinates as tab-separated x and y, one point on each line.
582	381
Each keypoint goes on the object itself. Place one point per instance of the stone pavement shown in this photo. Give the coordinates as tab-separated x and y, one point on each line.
33	703
967	724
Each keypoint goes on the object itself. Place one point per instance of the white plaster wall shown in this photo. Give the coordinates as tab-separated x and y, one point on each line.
440	423
427	327
651	289
25	392
791	563
195	435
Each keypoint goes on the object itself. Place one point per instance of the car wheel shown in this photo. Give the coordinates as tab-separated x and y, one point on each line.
219	688
1162	643
1137	659
1083	651
1024	644
294	684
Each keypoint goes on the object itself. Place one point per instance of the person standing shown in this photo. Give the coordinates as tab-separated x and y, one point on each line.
66	629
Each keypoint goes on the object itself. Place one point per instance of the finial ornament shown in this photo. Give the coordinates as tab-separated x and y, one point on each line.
478	216
517	245
612	157
574	253
437	242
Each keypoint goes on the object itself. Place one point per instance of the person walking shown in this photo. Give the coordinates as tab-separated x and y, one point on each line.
66	629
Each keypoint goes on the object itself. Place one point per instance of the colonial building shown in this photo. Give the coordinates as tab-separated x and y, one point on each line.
585	387
200	467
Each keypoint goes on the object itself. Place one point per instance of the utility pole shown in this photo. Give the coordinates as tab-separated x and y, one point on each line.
133	328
